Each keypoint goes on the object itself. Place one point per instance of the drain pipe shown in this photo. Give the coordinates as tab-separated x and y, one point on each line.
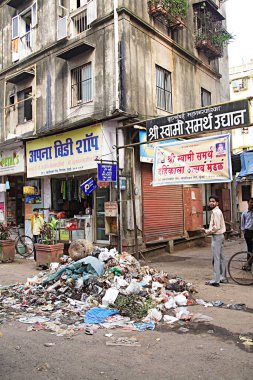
116	49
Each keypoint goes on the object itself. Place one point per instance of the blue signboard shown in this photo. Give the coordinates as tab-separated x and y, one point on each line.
107	172
88	186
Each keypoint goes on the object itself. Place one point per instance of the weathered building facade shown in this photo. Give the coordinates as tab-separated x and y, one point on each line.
75	71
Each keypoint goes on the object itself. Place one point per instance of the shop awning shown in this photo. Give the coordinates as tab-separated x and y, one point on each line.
21	76
74	50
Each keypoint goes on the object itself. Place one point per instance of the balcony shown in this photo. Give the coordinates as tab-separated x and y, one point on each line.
169	12
210	35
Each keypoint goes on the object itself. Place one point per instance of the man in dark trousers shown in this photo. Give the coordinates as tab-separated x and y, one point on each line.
216	229
247	228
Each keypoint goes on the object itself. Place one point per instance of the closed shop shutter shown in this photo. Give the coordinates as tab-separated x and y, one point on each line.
163	213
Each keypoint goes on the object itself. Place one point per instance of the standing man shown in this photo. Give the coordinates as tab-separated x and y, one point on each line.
36	223
247	228
217	228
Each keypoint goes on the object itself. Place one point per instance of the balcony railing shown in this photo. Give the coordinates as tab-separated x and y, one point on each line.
79	21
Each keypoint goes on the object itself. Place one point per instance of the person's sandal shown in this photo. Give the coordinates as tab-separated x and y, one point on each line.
216	284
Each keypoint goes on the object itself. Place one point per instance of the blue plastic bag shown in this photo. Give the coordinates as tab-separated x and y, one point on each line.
98	315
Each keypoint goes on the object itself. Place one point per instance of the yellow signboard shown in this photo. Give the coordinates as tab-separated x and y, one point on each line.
70	151
204	160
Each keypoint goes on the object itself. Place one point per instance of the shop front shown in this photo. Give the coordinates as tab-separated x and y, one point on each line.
12	171
64	162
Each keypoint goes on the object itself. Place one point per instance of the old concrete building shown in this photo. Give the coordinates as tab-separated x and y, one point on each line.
71	73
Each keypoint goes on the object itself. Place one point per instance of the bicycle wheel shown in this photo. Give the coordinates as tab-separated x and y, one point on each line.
237	268
24	246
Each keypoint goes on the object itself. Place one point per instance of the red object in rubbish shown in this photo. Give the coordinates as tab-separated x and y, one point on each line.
189	302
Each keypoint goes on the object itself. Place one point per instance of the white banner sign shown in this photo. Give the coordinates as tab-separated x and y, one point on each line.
12	161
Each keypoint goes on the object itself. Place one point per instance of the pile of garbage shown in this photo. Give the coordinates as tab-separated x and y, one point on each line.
102	290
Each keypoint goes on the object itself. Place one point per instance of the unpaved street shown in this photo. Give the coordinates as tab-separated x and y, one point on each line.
213	351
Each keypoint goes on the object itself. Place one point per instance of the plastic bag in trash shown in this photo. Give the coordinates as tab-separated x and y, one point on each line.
110	297
171	304
133	288
153	315
98	315
182	313
169	319
181	300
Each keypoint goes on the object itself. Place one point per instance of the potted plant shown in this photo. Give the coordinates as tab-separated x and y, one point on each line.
173	11
49	250
7	245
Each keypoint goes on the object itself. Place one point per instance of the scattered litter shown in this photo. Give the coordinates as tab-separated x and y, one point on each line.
108	335
169	319
32	320
183	329
246	341
144	326
128	342
218	303
18	348
158	339
49	344
44	367
1	334
237	306
204	303
210	331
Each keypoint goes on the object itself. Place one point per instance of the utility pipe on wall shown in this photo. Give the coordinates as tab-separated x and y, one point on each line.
116	49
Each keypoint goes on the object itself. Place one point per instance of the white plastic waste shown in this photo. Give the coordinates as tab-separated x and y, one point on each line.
105	254
133	288
171	304
110	297
156	285
169	319
153	315
181	300
182	313
120	282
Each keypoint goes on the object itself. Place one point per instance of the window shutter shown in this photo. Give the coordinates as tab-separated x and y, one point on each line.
91	11
62	27
34	15
15	27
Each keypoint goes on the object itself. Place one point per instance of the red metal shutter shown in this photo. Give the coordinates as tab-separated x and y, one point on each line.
163	212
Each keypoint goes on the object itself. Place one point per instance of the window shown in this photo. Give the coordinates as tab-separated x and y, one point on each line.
246	192
205	98
240	84
25	105
12	100
81	84
75	4
22	32
163	89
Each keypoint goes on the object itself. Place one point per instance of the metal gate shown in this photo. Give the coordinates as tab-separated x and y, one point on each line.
163	210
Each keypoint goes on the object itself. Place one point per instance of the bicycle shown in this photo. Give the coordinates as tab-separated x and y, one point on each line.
240	268
24	245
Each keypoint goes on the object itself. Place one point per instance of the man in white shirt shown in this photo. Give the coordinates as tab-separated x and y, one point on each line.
217	228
